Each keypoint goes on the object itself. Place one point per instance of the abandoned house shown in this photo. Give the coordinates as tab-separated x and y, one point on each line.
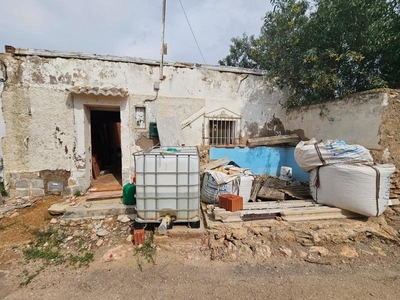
67	115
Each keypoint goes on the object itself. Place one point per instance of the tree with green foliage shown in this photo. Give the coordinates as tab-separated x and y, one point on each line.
241	53
325	49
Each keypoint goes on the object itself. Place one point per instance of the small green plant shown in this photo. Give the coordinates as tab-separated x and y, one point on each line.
46	248
47	254
29	277
146	251
47	217
81	261
77	193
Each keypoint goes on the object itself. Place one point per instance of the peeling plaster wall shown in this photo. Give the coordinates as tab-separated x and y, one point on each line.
355	119
45	124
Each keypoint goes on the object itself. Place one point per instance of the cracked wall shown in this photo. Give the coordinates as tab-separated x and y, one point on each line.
45	124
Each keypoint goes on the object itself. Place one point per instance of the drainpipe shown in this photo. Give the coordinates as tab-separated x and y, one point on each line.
164	4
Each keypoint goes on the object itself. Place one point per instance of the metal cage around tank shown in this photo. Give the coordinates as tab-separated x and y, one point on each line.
168	183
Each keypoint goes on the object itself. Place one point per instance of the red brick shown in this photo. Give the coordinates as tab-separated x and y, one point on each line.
139	236
230	202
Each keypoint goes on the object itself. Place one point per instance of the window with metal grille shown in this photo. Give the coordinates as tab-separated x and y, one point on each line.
222	132
221	127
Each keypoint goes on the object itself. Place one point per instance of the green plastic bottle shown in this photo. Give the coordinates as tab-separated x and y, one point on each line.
128	194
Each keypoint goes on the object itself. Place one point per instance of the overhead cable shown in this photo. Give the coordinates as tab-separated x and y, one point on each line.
201	53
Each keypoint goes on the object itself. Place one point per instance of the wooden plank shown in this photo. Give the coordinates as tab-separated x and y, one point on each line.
214	164
312	210
256	187
259	217
95	166
273	140
320	216
270	193
232	219
104	195
282	205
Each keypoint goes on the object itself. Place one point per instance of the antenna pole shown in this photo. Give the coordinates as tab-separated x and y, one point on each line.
164	4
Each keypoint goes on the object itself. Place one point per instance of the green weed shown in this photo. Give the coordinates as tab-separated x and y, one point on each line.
29	277
81	261
45	248
146	251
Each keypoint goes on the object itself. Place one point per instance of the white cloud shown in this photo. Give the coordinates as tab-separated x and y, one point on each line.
130	27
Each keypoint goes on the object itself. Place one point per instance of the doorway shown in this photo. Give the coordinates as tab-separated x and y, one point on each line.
106	150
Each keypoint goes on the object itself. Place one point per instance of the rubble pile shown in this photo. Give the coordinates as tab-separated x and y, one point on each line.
326	241
8	209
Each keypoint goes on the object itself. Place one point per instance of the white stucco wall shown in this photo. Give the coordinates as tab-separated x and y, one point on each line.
47	126
355	119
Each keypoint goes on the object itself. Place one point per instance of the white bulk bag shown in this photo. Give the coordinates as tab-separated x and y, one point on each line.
359	188
245	186
217	183
311	154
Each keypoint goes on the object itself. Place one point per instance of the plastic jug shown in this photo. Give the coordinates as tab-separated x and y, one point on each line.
128	194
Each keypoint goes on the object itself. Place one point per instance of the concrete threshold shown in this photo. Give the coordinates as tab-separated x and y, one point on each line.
91	210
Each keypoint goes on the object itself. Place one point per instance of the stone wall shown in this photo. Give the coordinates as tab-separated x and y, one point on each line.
371	119
355	119
390	140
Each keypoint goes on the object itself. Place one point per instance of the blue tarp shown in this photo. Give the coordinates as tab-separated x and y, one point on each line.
262	160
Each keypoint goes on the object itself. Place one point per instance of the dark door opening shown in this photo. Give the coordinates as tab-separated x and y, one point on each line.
106	150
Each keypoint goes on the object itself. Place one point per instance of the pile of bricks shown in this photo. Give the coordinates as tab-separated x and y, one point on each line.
395	185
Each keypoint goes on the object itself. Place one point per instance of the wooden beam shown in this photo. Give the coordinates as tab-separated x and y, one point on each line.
214	164
320	216
273	140
280	205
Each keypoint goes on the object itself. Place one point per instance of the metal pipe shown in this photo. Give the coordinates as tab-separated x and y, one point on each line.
164	4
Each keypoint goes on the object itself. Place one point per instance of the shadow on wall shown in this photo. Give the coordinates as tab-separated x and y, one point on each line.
262	160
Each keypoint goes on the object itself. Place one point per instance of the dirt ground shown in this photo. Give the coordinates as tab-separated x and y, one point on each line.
337	259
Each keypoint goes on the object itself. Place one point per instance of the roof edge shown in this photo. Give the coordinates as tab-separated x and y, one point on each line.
127	59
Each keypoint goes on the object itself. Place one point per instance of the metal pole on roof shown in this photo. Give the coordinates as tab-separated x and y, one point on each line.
164	4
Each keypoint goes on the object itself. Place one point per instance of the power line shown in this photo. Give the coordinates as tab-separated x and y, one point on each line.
192	31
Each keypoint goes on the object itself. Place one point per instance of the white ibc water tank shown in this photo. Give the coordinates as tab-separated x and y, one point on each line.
168	182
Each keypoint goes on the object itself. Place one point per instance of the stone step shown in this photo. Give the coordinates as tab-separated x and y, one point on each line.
91	210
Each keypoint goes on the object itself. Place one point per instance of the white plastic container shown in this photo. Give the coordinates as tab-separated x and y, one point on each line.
286	173
168	182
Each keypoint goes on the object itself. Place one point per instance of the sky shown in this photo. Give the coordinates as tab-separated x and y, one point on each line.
130	27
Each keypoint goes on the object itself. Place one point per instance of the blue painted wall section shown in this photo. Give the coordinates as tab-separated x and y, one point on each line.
262	160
